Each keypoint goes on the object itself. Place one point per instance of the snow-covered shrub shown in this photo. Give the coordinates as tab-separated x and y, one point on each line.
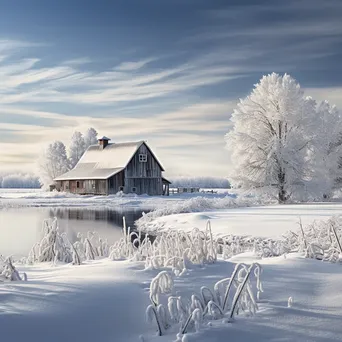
229	297
8	272
54	245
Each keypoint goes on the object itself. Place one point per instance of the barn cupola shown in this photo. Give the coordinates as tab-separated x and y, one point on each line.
103	142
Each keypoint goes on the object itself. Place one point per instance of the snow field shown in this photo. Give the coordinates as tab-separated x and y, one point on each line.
98	301
106	300
227	298
264	221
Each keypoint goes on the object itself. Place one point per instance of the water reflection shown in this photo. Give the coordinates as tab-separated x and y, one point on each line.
20	228
113	217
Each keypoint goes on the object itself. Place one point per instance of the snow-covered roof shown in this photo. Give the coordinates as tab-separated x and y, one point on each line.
102	163
86	173
104	138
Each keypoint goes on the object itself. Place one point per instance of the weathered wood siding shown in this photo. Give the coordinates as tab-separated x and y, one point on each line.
143	177
115	182
83	187
149	186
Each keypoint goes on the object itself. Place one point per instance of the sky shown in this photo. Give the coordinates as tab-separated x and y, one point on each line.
166	71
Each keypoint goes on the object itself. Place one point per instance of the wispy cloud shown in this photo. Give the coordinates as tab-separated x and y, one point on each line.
129	66
78	61
129	81
8	45
274	28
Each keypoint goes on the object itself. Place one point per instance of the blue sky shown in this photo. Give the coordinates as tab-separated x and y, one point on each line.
169	72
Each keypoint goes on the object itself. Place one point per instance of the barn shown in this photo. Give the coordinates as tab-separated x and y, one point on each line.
108	168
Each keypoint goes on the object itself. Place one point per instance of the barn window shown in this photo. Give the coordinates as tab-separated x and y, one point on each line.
142	158
134	189
77	184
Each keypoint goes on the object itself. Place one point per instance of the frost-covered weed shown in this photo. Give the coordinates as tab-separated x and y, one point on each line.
175	249
263	247
55	246
321	240
161	284
180	250
229	297
8	272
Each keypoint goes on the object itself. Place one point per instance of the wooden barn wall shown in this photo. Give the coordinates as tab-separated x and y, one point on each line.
149	186
96	187
146	178
136	169
115	182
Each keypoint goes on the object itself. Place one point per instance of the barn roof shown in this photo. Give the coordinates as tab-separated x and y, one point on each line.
103	163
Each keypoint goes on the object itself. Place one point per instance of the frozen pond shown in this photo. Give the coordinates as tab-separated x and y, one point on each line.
20	228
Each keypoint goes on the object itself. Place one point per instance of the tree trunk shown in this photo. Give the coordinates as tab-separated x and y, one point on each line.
282	194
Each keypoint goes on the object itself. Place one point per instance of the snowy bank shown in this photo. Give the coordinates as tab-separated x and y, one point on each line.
149	222
263	221
40	198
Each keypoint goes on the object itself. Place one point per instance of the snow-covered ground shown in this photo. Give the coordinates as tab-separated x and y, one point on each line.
105	301
40	198
265	221
101	301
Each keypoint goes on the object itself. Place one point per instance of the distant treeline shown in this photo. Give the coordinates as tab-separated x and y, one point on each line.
24	180
19	180
200	182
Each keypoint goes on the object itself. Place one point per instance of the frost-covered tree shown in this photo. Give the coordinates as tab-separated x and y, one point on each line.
326	149
90	138
77	148
53	162
270	138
